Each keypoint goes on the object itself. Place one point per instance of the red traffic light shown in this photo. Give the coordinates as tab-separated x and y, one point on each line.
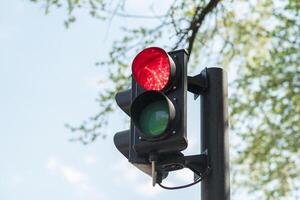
153	68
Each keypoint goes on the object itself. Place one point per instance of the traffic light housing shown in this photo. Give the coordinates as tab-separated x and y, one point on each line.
156	104
158	115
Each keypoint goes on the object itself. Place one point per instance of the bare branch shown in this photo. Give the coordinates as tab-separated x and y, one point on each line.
197	22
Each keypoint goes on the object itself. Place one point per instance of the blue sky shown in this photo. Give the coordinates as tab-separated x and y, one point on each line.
48	78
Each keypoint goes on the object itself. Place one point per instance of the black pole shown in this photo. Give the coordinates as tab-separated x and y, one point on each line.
214	136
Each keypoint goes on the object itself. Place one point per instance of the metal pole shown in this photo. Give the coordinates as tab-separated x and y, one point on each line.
214	136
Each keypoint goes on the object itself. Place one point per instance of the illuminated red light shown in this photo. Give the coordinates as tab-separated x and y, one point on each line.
151	68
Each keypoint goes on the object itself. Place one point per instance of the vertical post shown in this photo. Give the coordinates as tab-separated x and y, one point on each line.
214	136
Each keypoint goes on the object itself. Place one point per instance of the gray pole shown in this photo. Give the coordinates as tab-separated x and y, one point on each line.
214	136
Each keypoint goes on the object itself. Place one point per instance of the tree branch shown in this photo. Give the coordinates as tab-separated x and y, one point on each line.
197	22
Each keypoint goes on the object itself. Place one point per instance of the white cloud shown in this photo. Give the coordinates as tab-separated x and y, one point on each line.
126	172
16	180
70	174
129	174
52	164
90	160
75	177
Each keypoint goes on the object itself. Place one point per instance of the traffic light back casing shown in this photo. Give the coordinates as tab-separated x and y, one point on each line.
174	137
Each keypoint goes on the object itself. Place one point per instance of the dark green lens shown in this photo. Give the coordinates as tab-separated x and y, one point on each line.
154	118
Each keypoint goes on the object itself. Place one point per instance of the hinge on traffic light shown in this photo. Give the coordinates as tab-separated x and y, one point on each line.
198	84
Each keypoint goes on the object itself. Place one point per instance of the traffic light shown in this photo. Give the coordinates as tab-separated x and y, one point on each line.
156	104
158	107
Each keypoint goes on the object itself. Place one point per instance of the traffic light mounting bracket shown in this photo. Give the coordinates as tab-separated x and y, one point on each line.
199	83
196	163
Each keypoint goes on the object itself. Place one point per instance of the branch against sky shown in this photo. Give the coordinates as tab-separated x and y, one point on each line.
183	19
259	40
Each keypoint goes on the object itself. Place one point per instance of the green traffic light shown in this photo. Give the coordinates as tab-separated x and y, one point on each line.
154	118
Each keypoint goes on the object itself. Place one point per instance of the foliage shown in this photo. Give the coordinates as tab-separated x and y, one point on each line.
266	102
257	40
